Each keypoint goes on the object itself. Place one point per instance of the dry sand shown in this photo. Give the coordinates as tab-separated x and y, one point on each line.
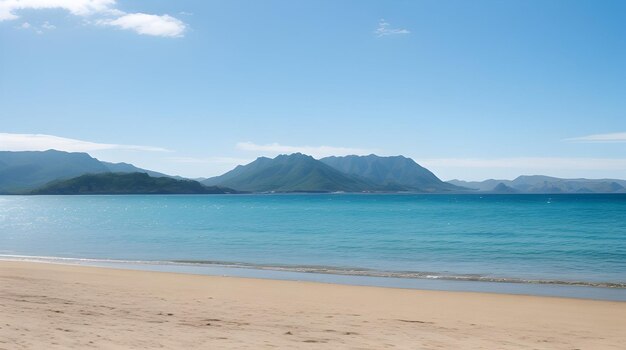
49	306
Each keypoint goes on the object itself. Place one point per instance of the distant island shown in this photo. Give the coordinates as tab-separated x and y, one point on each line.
57	172
127	183
22	172
544	184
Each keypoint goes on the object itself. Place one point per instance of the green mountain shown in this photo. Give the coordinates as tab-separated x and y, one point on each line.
547	184
290	173
21	171
24	171
126	183
398	171
503	189
129	168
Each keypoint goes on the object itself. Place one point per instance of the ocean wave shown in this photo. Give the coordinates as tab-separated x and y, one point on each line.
313	269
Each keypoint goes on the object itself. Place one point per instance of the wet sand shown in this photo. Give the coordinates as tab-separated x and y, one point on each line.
51	306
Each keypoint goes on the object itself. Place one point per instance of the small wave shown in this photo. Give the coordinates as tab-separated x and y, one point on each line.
317	270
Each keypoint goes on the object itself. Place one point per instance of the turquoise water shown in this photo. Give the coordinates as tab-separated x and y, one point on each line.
565	239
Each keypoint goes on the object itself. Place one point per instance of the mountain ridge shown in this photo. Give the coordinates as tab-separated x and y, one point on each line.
288	173
24	171
126	183
398	171
548	184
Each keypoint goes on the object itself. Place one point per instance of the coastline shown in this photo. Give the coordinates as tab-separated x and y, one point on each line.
65	306
355	277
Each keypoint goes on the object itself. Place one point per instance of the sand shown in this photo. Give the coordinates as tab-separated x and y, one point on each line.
51	306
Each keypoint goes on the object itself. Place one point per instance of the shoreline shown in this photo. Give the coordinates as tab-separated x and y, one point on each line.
345	277
58	306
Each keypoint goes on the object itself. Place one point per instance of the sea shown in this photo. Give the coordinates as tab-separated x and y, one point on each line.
566	245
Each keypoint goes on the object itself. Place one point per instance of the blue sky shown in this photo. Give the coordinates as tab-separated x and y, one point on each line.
470	89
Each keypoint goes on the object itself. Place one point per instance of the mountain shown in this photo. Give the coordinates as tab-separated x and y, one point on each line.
503	189
126	183
129	168
290	173
547	184
25	171
401	172
21	171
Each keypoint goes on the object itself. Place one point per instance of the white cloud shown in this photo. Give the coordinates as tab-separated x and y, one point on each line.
104	12
529	163
316	152
8	8
146	24
25	25
40	142
384	29
601	138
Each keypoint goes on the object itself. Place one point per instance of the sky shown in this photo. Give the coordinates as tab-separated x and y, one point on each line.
470	89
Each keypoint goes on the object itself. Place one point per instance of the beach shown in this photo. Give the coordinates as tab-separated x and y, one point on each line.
54	306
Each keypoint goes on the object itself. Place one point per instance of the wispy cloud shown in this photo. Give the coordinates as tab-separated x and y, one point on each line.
46	25
315	151
105	13
525	163
41	142
146	24
384	29
39	29
601	138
